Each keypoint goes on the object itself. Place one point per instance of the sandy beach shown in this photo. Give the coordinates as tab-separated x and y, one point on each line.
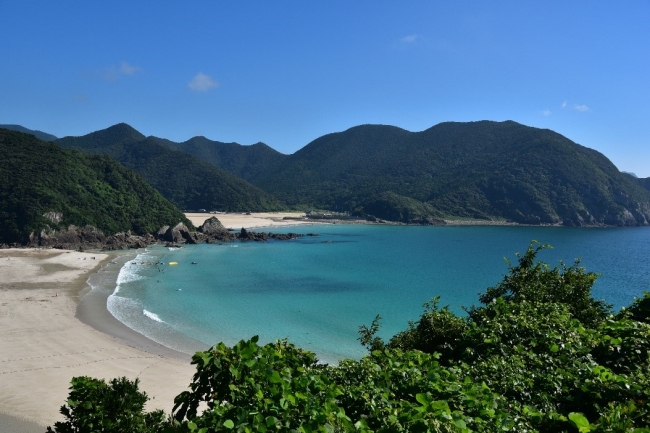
254	220
54	328
45	342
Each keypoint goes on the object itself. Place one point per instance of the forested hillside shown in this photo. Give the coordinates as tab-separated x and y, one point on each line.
479	170
644	182
185	180
246	162
43	185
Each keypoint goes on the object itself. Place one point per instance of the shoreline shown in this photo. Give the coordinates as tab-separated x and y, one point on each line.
258	220
92	309
55	327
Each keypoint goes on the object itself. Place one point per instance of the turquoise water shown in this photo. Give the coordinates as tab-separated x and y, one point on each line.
317	291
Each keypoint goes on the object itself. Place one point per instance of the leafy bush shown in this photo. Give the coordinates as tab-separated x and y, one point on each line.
535	281
96	406
640	309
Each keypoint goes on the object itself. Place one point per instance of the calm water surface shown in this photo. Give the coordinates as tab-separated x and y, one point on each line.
317	291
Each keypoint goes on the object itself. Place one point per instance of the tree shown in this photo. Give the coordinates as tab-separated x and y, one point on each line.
96	406
535	281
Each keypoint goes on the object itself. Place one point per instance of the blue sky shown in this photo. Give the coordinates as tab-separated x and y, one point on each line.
287	72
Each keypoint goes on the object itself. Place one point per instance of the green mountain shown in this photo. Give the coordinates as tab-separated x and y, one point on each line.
38	134
486	170
246	162
44	185
185	180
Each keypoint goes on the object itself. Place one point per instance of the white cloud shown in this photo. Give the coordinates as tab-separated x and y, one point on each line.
564	104
128	69
409	39
582	108
113	73
546	112
202	83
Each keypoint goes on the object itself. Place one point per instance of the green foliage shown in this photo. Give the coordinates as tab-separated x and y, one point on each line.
37	177
396	391
116	407
551	351
368	336
185	180
536	281
438	330
392	207
249	388
639	310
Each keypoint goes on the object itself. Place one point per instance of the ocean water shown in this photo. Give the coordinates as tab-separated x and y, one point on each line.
317	291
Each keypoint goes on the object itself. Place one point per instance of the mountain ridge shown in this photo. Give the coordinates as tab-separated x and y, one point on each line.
36	133
187	181
246	162
482	170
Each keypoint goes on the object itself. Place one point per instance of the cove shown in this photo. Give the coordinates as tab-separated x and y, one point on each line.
317	291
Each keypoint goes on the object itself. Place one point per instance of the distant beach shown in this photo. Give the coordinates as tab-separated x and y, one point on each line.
256	220
249	221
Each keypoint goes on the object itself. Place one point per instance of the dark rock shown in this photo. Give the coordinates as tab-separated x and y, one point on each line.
212	226
244	235
161	233
71	238
88	237
178	234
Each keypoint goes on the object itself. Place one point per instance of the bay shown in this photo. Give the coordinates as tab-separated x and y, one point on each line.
317	291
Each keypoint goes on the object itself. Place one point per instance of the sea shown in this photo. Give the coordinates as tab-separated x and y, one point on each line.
316	291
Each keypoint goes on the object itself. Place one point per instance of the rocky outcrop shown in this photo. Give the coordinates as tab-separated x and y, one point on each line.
427	221
246	235
212	226
214	231
176	234
71	238
89	237
125	240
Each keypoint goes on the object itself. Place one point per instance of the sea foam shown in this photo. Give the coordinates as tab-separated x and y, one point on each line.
152	316
129	271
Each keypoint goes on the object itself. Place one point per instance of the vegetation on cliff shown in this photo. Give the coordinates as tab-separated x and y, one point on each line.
45	186
185	180
539	355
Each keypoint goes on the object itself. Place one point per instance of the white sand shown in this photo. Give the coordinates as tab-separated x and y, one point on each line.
254	220
43	345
